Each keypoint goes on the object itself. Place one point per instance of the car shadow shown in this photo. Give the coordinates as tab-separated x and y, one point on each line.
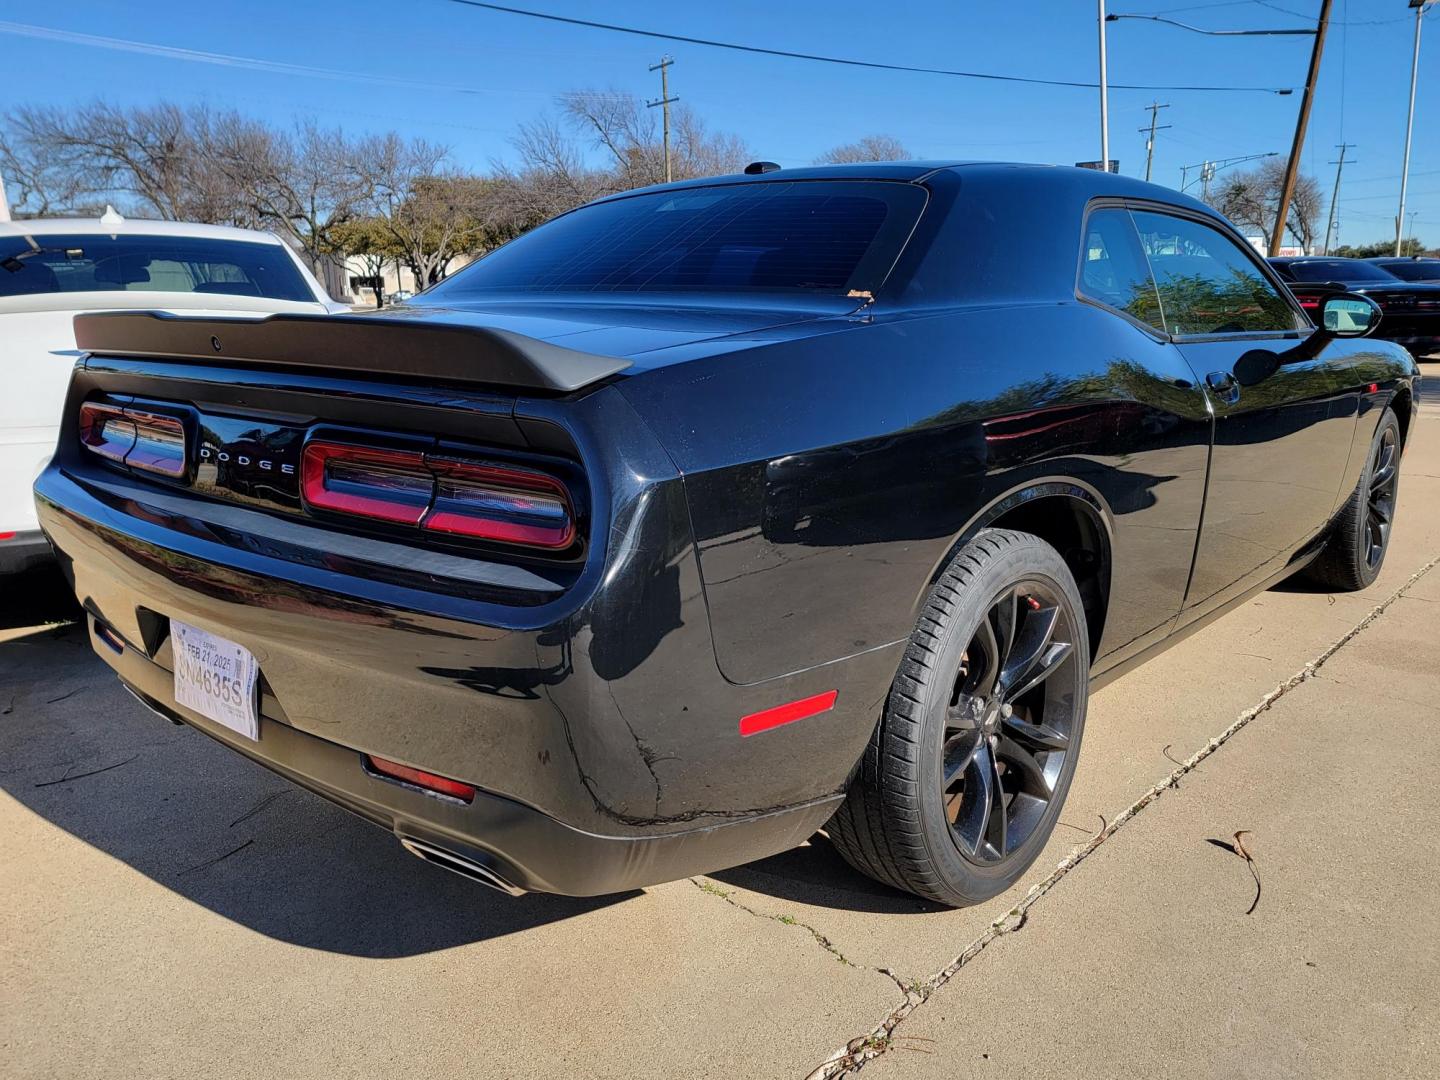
37	596
816	874
221	831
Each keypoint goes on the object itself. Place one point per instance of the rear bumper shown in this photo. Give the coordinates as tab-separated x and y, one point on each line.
24	550
600	733
518	844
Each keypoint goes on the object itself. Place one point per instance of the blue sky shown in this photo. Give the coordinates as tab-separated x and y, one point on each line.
467	77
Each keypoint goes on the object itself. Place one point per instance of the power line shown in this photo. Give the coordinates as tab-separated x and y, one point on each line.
1213	33
849	61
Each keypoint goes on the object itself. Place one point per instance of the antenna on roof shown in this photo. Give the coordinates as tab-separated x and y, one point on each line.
4	202
111	216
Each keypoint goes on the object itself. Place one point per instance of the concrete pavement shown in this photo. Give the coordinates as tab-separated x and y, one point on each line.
166	907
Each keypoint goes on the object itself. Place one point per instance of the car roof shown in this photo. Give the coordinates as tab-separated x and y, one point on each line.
131	227
1092	181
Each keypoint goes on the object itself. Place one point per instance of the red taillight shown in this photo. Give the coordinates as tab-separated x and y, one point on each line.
134	437
106	431
481	500
159	443
490	502
1309	303
420	778
390	485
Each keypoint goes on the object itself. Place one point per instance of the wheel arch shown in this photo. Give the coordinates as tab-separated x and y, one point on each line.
1401	405
1072	518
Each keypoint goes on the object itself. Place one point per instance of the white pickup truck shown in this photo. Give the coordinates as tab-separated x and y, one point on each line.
53	269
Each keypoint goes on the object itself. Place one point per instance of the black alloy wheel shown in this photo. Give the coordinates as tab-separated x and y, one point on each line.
1008	727
1360	536
1380	502
968	766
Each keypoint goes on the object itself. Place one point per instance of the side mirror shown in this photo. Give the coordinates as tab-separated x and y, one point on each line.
1348	315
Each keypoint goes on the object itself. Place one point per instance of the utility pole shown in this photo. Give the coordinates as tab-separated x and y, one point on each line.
1335	194
1207	173
1154	108
1282	212
1104	97
1419	6
664	103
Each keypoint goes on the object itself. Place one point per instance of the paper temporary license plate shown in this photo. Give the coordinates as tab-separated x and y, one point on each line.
215	677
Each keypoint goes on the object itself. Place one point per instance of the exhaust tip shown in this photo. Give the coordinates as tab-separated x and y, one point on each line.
456	863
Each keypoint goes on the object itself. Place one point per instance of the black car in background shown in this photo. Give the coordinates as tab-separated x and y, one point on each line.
709	515
1418	268
1411	310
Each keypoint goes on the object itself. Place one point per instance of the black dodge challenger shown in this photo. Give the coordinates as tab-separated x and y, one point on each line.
710	515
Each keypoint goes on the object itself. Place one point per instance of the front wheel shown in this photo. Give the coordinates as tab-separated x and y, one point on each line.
966	772
1355	550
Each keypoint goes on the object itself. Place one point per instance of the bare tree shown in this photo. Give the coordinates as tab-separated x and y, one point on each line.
868	148
1250	199
434	212
307	182
555	175
38	183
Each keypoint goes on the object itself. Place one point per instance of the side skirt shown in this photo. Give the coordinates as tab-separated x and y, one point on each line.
1099	679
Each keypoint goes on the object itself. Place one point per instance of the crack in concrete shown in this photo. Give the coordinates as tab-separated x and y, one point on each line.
853	1056
908	987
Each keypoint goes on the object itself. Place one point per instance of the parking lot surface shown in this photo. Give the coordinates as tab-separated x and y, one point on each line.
170	909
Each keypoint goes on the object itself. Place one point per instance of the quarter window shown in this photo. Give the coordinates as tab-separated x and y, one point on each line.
1207	283
1113	269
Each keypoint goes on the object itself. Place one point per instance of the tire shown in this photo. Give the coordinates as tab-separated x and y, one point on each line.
1360	537
946	728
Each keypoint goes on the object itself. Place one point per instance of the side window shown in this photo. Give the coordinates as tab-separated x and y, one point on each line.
1113	269
1207	284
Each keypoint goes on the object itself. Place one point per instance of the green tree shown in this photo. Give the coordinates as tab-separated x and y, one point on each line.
370	240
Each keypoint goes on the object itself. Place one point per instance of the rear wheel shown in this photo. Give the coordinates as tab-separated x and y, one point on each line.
1355	550
967	769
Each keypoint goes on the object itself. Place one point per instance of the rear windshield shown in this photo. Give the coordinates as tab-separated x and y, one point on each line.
133	263
826	236
1337	270
1414	271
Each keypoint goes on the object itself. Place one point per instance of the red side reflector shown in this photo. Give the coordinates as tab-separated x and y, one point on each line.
420	778
7	536
787	714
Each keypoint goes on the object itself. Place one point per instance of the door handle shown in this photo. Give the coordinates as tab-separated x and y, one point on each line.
1225	385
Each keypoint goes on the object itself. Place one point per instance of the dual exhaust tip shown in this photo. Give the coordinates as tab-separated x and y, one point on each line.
456	863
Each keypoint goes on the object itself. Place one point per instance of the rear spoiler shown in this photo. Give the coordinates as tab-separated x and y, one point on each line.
431	344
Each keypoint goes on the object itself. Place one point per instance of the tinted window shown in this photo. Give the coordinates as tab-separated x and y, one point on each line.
1113	269
819	236
1207	284
1414	271
1338	270
134	263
